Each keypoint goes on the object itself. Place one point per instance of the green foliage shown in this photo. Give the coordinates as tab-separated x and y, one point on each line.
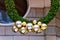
12	12
59	3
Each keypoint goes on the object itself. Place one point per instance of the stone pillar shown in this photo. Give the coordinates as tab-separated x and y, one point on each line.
58	25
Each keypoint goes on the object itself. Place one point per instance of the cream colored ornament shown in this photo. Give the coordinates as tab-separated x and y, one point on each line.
14	27
15	30
34	22
30	30
40	30
39	23
23	30
43	26
19	26
36	28
18	22
24	24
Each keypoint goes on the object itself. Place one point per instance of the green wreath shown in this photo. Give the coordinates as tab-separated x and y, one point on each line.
12	12
59	3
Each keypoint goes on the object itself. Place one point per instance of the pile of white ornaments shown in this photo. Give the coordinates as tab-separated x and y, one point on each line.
24	27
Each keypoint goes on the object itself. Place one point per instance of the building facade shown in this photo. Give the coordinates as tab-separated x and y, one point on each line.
38	9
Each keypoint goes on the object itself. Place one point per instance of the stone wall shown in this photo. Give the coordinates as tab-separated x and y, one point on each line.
37	11
58	25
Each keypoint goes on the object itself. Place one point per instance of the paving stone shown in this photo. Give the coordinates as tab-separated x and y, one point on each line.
50	37
51	30
36	34
21	38
37	38
6	37
2	30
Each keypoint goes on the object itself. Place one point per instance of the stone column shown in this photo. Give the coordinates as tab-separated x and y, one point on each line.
58	25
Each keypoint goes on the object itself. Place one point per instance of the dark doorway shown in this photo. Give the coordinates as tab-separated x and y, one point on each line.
2	6
20	5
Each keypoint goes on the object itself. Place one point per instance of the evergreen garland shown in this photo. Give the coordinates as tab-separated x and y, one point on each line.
59	3
12	12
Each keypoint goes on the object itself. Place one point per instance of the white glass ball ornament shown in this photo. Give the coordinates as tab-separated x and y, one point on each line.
18	24
36	28
29	27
